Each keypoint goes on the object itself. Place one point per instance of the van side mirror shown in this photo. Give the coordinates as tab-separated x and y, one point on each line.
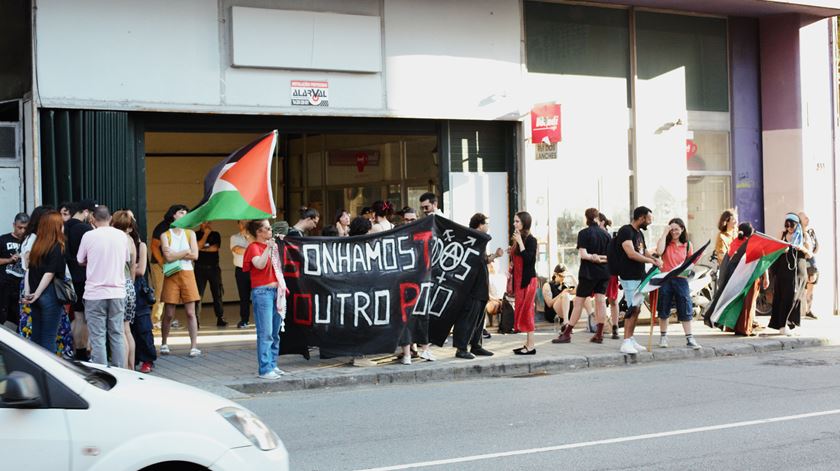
20	390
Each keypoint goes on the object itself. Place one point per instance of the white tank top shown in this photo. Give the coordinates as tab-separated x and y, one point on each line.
177	243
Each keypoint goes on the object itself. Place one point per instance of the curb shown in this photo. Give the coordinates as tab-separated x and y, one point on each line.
513	367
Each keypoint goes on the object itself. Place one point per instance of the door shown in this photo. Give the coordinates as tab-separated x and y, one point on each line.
34	438
661	172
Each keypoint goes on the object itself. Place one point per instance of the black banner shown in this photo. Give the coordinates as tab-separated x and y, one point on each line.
367	294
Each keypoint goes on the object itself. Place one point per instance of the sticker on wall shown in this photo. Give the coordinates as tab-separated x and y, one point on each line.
546	151
307	93
545	123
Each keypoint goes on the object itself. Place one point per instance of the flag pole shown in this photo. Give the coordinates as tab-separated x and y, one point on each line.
653	298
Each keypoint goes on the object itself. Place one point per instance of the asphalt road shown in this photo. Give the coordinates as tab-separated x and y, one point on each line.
770	411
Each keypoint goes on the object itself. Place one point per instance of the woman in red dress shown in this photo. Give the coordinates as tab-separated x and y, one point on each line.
524	251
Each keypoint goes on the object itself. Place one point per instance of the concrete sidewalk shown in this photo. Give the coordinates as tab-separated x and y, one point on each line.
228	365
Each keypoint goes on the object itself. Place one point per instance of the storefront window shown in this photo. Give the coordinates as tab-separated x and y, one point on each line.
709	182
665	42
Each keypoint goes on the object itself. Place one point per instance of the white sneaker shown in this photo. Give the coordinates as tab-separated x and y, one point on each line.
427	355
690	342
406	359
164	349
783	331
175	324
194	352
663	341
279	371
271	375
627	347
637	345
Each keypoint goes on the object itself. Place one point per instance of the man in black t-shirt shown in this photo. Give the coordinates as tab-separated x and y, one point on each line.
207	269
11	272
75	228
469	326
631	256
593	276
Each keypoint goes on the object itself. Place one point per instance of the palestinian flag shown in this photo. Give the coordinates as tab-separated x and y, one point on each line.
239	187
746	265
656	278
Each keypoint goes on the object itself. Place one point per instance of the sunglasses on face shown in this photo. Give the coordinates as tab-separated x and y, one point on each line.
790	224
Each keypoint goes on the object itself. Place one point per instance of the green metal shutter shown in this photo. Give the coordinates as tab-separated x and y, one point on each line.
93	155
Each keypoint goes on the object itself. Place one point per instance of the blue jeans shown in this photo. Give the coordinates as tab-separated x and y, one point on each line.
675	291
46	314
267	319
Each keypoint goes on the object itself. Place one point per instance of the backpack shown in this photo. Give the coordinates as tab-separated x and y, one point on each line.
613	255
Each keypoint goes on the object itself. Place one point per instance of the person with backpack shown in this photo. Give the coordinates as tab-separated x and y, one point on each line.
593	277
674	248
180	250
627	256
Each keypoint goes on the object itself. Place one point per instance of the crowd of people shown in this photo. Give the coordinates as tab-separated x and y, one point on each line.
75	278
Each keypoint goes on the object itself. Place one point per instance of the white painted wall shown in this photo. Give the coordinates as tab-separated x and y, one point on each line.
127	52
817	152
591	169
447	59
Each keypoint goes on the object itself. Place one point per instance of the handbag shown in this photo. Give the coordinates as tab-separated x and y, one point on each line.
146	291
64	290
171	268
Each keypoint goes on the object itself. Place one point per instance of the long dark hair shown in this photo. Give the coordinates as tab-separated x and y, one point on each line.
683	236
169	217
35	218
725	216
745	229
525	219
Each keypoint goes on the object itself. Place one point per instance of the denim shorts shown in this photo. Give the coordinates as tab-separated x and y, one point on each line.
630	287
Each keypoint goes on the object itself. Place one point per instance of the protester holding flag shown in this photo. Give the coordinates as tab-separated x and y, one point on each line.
674	248
268	294
746	321
631	255
524	251
180	249
789	273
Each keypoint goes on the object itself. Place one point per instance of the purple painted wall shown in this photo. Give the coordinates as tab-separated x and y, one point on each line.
780	87
746	120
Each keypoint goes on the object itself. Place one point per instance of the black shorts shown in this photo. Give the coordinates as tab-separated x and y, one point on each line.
79	305
587	287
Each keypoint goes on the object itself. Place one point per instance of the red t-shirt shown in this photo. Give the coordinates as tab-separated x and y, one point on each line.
258	277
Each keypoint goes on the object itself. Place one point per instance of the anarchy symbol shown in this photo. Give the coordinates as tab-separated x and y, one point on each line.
451	256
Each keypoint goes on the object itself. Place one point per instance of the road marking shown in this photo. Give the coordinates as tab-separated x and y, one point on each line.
608	441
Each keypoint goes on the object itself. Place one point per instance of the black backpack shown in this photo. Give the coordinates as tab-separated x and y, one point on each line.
613	255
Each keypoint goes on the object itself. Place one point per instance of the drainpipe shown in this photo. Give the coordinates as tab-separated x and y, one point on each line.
833	27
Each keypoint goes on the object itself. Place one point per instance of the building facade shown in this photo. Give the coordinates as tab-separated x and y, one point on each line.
688	107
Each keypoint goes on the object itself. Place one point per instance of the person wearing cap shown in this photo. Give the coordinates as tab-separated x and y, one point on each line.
76	227
557	295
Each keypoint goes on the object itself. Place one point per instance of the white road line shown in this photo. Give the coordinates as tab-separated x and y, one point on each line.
608	441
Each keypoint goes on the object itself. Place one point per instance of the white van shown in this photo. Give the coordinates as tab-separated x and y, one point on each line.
57	415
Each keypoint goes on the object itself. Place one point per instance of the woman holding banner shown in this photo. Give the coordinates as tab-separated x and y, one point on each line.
524	251
268	296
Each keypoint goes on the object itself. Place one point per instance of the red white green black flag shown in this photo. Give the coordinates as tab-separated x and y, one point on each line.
239	187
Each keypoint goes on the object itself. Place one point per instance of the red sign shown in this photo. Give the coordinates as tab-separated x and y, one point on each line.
545	123
690	149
